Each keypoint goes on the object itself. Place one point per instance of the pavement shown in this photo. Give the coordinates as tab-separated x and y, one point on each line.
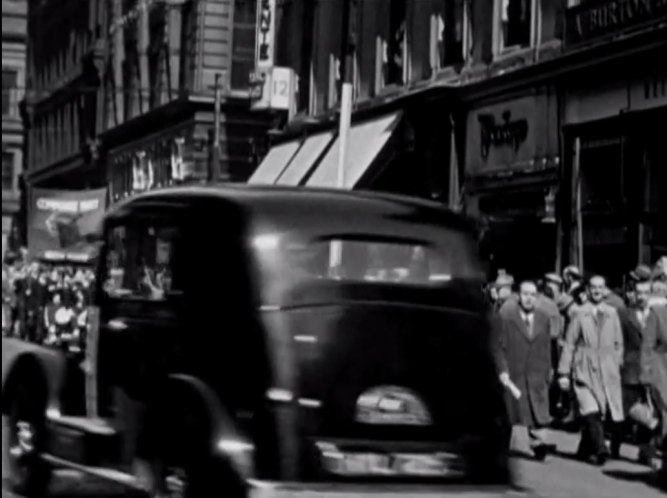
561	476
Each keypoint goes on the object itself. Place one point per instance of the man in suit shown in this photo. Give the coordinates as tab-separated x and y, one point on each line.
633	323
592	358
524	361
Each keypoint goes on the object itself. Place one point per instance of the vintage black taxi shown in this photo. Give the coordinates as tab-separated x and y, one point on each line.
252	341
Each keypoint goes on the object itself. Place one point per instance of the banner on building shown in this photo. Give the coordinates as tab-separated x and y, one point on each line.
62	223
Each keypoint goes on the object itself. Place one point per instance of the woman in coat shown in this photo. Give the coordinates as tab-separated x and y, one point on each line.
592	358
654	371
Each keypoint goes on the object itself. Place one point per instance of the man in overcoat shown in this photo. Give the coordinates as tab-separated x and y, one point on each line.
633	324
654	371
591	362
524	362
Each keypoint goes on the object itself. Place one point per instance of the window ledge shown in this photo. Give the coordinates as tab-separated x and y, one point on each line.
511	59
448	73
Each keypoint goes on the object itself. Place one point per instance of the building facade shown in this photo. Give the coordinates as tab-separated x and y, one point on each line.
13	84
124	93
62	104
498	105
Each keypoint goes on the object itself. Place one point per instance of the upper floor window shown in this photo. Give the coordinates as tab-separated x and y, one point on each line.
243	43
7	170
9	86
516	22
395	50
448	32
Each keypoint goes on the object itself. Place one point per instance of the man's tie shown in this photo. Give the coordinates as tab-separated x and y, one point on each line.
526	320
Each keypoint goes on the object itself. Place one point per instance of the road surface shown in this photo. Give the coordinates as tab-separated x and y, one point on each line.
559	477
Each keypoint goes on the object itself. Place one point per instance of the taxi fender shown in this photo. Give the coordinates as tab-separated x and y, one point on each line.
42	367
225	439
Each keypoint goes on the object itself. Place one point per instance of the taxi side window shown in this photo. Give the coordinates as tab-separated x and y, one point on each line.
140	261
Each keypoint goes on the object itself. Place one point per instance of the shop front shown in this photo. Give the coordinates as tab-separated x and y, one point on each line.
511	180
617	173
391	148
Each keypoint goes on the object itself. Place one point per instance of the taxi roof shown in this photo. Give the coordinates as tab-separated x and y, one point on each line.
276	201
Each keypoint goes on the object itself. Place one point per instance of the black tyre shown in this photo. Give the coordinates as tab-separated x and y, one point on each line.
184	465
29	473
195	477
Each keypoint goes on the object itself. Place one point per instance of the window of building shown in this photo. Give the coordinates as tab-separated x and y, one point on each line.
395	49
448	26
243	45
9	85
157	53
516	21
7	170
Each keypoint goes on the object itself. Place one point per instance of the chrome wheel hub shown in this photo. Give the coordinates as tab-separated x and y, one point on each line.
24	440
175	483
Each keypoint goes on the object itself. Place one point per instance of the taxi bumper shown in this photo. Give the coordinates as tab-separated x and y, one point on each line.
337	490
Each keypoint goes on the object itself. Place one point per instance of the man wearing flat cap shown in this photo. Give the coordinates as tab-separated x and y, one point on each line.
503	285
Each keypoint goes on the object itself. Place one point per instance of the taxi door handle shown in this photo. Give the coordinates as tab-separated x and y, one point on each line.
117	325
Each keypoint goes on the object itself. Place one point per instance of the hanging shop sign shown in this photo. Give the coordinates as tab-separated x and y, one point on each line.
147	166
274	88
266	33
516	134
61	223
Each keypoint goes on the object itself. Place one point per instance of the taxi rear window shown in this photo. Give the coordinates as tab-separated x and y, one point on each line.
367	259
139	261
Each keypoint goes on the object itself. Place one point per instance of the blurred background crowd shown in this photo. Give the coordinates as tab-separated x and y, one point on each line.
46	303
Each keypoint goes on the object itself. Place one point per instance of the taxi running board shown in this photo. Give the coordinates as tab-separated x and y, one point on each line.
116	476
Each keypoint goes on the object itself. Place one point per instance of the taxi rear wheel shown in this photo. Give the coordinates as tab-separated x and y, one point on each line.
185	466
29	473
187	477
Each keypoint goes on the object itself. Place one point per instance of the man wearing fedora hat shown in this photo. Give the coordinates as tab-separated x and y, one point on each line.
572	277
548	302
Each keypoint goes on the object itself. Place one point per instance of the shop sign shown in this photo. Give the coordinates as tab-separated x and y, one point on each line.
60	223
594	19
612	99
266	33
521	133
274	88
649	92
153	165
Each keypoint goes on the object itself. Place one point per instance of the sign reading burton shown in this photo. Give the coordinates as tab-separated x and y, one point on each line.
598	18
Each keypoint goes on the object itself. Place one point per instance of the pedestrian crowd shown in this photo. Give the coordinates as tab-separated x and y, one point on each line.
570	350
46	303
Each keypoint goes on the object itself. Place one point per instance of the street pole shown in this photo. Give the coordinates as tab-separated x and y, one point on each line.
215	166
347	68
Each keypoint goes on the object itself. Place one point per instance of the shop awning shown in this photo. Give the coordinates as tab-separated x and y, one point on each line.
304	160
275	162
365	142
